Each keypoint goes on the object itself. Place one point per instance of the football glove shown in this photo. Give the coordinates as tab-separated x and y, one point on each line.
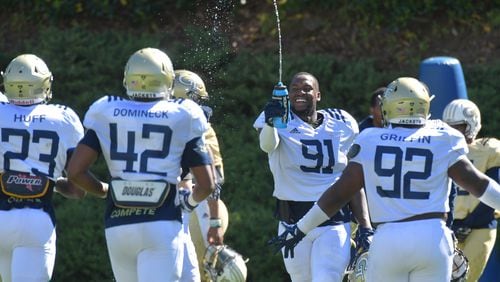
287	240
461	232
273	109
183	196
363	238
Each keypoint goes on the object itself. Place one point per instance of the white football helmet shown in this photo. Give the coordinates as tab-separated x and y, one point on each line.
356	270
149	74
223	264
27	80
460	266
405	101
463	111
189	85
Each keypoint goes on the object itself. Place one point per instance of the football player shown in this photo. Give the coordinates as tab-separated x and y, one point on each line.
209	221
305	159
36	141
475	225
406	169
145	140
375	117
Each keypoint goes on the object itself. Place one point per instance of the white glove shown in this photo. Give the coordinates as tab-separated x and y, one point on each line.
184	201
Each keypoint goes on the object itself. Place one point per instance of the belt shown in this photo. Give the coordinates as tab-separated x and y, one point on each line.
429	215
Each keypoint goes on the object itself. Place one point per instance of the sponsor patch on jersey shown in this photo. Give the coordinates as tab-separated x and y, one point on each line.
353	151
23	185
139	194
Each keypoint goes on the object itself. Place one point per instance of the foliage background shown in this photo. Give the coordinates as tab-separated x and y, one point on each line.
353	47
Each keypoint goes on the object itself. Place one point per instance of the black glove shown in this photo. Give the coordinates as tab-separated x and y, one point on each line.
281	240
461	232
363	238
273	109
183	200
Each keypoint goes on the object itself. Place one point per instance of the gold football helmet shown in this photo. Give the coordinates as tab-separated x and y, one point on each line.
462	111
405	101
27	80
189	85
356	270
149	74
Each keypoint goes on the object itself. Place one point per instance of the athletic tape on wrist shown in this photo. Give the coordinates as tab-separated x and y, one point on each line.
215	222
491	195
314	217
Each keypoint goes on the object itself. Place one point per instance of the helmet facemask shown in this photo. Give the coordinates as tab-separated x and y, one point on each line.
221	263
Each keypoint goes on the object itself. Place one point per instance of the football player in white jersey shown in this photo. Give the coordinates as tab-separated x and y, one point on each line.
475	224
36	141
305	159
145	140
406	169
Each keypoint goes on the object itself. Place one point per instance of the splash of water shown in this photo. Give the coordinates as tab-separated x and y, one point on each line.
279	40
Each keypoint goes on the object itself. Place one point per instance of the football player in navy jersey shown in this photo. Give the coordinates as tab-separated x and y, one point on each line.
36	141
405	169
375	117
145	141
305	159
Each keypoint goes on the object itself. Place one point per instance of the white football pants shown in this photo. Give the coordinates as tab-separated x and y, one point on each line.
27	245
420	250
322	255
146	252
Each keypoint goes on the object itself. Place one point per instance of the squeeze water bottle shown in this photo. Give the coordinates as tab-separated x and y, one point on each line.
280	93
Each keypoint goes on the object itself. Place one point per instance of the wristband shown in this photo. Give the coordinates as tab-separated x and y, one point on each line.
491	195
314	217
215	222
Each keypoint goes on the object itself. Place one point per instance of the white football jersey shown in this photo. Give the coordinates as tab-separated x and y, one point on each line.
309	160
145	140
406	169
36	139
3	98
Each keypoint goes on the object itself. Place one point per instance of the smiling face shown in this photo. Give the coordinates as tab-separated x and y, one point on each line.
304	95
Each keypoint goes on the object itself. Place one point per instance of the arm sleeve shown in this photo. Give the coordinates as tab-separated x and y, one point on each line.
268	138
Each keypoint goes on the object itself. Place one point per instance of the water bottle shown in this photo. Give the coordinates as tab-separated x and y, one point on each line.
280	93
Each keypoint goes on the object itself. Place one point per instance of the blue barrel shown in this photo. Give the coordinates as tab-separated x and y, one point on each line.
445	79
